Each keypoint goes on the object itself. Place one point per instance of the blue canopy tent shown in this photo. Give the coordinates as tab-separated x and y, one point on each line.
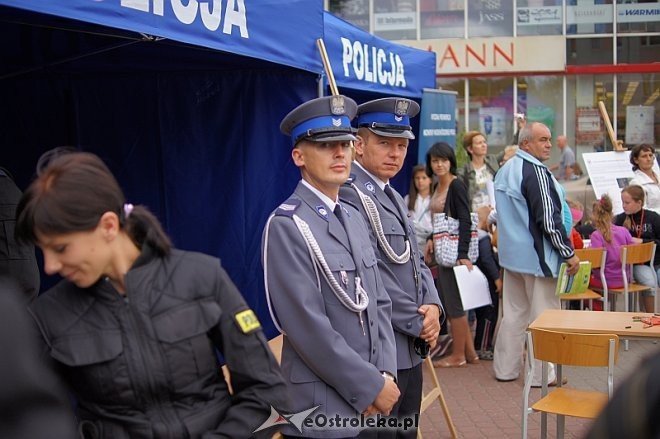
366	67
182	101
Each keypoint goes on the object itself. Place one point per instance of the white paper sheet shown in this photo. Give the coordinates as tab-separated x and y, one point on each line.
473	287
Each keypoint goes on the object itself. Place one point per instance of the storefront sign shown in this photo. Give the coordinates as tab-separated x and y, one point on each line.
395	21
588	14
488	55
638	13
538	16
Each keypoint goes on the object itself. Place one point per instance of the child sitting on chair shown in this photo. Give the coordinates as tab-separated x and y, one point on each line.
611	237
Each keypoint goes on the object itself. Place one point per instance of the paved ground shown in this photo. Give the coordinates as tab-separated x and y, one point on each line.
482	407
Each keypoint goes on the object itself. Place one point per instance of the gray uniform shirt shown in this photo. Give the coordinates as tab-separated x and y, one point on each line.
407	293
327	359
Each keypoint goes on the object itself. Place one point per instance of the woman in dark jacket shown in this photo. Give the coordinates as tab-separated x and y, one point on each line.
133	326
450	197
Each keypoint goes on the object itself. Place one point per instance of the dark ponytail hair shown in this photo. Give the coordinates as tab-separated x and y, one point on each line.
71	193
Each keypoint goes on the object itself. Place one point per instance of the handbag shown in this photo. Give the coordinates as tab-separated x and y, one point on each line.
445	239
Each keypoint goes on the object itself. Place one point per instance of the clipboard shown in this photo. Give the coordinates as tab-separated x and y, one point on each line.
472	287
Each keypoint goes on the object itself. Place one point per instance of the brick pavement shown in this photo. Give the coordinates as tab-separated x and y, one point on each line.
482	407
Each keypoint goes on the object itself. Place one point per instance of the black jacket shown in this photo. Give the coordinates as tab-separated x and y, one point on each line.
144	366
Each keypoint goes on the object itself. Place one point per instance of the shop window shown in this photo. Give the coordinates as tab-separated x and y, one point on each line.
491	110
355	12
457	85
593	17
538	17
638	16
395	19
442	19
582	95
638	103
490	18
586	51
636	50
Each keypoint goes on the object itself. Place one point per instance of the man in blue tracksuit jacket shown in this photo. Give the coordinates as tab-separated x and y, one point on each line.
533	242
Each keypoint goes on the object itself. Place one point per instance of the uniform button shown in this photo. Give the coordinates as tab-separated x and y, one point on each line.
392	228
354	399
408	325
371	322
341	265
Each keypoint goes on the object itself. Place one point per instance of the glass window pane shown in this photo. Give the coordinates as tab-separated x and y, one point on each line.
633	50
490	18
457	85
353	11
539	17
491	110
589	17
638	16
540	99
638	105
582	95
395	19
442	18
585	51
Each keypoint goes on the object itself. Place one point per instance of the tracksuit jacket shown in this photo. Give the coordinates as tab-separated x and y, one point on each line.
530	208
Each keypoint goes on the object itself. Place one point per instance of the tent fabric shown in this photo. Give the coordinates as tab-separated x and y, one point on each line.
188	132
261	29
363	61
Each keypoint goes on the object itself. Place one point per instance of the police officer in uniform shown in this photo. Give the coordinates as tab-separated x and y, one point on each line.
383	134
322	281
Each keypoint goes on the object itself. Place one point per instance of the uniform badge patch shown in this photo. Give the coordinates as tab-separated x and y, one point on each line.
247	321
401	107
370	187
321	210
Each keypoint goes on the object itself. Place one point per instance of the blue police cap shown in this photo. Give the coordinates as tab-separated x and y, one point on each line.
321	120
388	117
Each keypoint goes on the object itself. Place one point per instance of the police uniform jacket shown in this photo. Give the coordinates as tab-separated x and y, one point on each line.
327	360
144	366
407	295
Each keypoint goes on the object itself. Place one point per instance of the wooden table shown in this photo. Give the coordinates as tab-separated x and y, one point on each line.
596	322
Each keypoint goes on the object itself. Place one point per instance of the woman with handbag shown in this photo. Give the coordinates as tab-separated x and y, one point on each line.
451	198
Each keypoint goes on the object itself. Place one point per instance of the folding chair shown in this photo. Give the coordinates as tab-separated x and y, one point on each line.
630	255
597	258
572	349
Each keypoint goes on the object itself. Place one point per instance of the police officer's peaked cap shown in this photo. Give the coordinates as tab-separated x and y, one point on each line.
389	117
321	120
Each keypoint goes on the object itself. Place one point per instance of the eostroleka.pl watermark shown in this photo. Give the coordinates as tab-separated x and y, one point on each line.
321	421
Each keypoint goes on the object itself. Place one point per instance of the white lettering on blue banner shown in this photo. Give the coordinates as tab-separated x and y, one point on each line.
372	64
211	12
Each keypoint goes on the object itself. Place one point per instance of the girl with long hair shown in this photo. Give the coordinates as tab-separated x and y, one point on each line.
610	237
451	197
644	226
418	201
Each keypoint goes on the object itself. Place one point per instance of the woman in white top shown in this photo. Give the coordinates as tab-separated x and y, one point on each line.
418	201
642	158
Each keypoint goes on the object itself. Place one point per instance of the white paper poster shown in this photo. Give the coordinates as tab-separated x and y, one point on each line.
610	172
492	123
639	124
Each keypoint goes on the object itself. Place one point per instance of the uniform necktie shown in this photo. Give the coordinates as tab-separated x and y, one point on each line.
339	214
390	194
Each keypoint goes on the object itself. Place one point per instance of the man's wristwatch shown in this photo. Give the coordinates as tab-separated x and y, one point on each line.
388	376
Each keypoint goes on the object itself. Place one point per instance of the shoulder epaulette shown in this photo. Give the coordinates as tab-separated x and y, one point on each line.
288	208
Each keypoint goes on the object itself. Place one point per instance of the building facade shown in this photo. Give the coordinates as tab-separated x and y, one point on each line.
552	60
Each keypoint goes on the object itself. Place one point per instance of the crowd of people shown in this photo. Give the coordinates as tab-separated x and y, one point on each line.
136	331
